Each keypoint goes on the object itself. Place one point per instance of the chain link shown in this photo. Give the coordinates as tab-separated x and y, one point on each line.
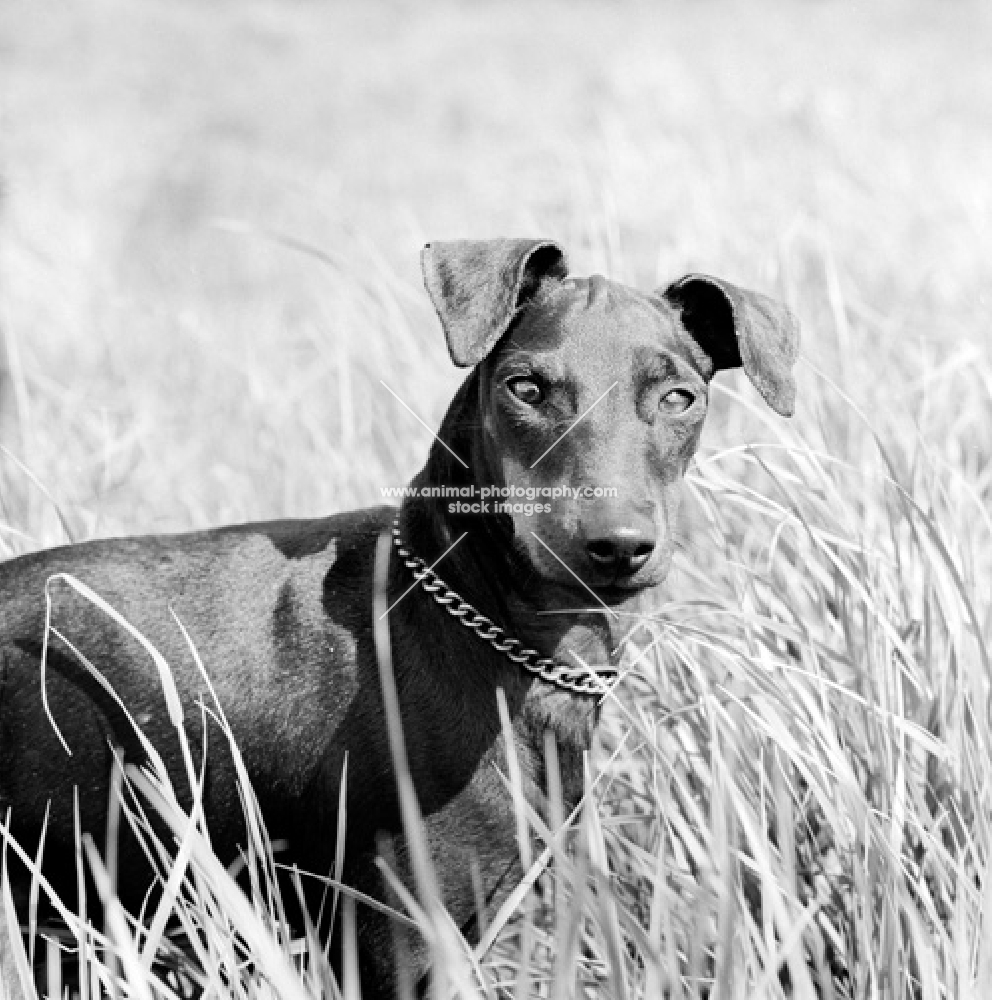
581	680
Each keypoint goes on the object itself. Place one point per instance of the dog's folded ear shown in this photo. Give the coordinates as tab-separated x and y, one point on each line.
477	286
737	327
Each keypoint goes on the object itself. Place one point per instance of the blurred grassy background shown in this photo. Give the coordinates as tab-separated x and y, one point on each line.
179	365
208	260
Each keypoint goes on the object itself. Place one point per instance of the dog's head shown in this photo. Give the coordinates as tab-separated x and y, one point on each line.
593	397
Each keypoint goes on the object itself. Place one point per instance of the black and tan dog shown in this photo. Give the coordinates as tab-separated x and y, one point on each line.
575	382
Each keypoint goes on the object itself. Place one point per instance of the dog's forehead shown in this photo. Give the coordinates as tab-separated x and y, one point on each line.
601	317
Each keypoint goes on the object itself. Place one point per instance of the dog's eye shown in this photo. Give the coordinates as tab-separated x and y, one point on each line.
526	390
677	401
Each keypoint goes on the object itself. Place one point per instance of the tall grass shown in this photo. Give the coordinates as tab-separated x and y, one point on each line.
788	795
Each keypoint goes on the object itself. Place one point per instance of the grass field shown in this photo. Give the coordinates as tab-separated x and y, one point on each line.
208	260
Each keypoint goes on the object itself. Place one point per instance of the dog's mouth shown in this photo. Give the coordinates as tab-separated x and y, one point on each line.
589	594
621	586
621	592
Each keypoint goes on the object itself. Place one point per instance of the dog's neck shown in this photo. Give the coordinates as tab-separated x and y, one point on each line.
483	564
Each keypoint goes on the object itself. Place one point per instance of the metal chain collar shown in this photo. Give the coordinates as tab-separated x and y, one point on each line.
582	680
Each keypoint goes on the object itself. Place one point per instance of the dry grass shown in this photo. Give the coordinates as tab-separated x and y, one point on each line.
794	773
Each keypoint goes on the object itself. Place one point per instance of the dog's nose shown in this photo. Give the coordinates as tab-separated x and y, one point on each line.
621	551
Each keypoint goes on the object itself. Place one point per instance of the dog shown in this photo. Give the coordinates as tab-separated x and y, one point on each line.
581	383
